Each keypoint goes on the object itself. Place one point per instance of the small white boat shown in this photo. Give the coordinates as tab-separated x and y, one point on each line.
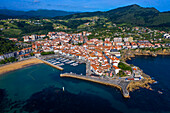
67	62
74	64
62	60
60	64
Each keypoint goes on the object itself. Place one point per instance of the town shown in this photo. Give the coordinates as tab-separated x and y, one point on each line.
103	55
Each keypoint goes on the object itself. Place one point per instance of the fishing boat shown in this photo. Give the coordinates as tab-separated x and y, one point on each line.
160	92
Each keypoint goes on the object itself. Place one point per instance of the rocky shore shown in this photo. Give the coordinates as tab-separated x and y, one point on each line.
128	54
147	81
144	83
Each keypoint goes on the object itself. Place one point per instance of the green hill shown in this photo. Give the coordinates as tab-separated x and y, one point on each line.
133	14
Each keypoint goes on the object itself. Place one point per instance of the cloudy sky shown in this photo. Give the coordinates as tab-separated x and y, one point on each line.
81	5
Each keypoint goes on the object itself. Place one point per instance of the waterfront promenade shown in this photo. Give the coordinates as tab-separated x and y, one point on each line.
120	84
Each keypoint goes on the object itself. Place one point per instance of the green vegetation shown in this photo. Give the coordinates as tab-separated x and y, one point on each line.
101	24
121	74
7	60
11	32
133	15
18	28
124	66
47	53
153	49
32	54
80	44
72	23
7	46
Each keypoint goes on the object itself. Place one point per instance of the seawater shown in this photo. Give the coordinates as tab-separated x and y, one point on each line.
38	88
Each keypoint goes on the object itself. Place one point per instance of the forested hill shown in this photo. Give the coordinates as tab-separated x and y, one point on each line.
133	14
5	13
7	46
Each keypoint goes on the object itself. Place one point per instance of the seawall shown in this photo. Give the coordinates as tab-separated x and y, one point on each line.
100	81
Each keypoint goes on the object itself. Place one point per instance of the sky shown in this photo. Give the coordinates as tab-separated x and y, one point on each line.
81	5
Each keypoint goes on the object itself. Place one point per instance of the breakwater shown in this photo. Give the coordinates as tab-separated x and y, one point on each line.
122	85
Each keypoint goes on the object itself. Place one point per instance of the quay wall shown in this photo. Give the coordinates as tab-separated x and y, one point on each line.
96	81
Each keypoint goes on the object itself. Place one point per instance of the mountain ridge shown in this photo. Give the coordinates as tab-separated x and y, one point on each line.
131	14
35	13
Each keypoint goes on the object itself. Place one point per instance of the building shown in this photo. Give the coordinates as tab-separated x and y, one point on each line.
115	52
167	36
12	54
118	39
116	69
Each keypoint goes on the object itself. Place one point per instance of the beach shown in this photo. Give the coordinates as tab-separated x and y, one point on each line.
19	65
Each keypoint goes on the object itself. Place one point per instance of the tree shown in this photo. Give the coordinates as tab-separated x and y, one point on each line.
47	53
124	66
32	54
121	74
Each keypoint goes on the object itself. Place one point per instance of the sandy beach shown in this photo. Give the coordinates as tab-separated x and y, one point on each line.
19	65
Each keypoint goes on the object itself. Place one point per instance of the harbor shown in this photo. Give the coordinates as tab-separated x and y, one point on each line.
45	84
50	64
58	61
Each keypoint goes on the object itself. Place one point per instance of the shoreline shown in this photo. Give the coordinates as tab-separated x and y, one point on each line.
128	54
19	65
147	55
147	81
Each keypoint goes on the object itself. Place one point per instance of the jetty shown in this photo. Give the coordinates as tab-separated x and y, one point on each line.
120	84
52	65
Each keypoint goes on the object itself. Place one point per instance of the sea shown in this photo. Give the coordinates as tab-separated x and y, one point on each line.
39	89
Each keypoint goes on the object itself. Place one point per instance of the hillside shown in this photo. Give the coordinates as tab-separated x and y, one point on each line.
129	16
133	14
137	15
